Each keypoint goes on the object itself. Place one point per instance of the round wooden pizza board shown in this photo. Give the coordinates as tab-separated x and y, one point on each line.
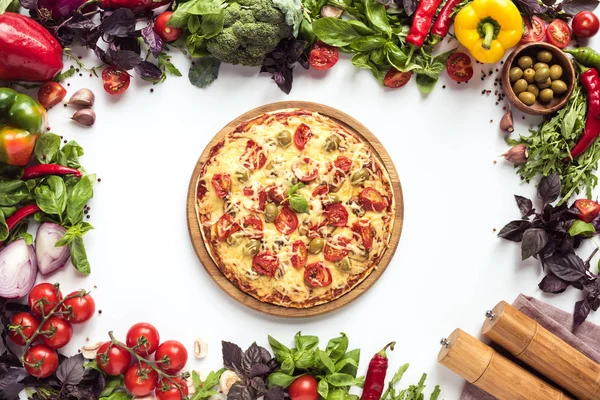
194	228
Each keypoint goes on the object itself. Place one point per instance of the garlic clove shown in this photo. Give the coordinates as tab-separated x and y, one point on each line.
200	348
85	116
506	123
517	154
228	378
83	97
89	351
330	11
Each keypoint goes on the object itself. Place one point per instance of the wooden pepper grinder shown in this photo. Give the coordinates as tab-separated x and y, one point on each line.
537	347
485	368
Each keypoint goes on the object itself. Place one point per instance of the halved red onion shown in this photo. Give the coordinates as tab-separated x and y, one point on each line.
18	269
49	257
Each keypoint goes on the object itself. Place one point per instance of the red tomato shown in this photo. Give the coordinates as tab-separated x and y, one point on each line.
336	214
320	190
588	209
558	33
304	388
317	275
343	163
305	169
222	184
459	67
202	190
262	198
535	28
371	200
395	79
140	379
57	332
265	263
254	157
286	221
175	389
365	231
51	93
113	359
585	24
43	297
277	194
171	356
335	249
226	226
115	79
28	324
166	33
301	136
41	361
79	308
253	226
143	338
300	254
323	56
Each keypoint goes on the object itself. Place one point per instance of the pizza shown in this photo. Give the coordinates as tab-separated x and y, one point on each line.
295	209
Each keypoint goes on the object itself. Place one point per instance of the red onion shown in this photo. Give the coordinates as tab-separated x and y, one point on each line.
18	269
61	8
49	257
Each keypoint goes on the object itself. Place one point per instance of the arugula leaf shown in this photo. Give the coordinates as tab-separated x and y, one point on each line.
51	196
335	32
203	390
204	72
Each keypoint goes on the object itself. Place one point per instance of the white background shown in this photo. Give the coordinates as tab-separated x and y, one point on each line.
449	267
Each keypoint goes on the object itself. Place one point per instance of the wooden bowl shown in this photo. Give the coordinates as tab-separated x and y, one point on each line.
558	57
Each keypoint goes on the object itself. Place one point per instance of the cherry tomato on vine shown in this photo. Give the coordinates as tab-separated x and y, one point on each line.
304	388
171	356
28	323
535	29
322	56
51	93
395	79
140	379
43	297
41	361
585	24
143	338
116	80
113	361
58	332
459	67
166	33
558	33
80	308
171	390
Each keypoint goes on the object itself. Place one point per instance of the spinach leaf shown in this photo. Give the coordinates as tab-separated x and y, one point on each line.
51	196
78	197
12	192
79	256
204	72
335	32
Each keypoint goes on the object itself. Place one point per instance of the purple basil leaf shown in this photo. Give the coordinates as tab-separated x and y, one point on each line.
239	391
119	23
534	241
549	2
153	41
71	371
595	303
232	355
592	286
553	284
258	385
275	393
127	43
29	4
9	388
513	231
125	59
582	310
572	7
525	205
148	71
259	369
530	7
569	267
549	188
251	356
409	6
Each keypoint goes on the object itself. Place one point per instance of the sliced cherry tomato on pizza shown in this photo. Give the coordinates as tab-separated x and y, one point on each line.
226	226
317	275
558	33
395	79
286	221
336	214
201	190
335	249
588	209
254	157
259	201
266	263
253	226
535	29
305	169
459	67
116	80
301	136
323	56
320	190
371	200
277	194
343	164
222	184
300	255
365	231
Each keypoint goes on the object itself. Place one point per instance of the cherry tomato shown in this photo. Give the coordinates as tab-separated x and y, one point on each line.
265	263
301	136
304	388
286	221
558	33
43	297
174	389
395	79
254	157
143	338
166	33
588	209
113	361
365	231
222	184
51	93
335	249
459	67
323	56
253	226
300	255
371	200
336	214
28	323
79	308
277	194
585	24
535	29
41	361
320	190
226	226
317	275
343	163
305	169
58	332
171	356
140	379
115	79
259	203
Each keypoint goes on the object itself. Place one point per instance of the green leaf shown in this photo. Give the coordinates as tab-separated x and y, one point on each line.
193	23
340	380
294	188
299	204
165	64
78	197
304	359
112	385
336	348
13	192
399	374
212	379
4	4
179	19
377	16
47	147
368	43
117	396
568	123
196	380
200	7
92	365
51	196
67	73
75	231
204	72
337	394
306	342
443	57
361	28
326	360
3	228
292	10
306	33
323	388
71	153
335	32
397	58
343	363
280	379
581	228
211	25
27	237
288	365
79	256
425	83
8	211
436	393
280	351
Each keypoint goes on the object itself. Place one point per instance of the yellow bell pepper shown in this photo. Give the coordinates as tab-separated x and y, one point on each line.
488	28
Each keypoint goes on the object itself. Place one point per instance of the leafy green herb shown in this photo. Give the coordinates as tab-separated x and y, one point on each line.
205	389
204	72
413	392
67	73
292	10
581	228
51	196
335	32
297	202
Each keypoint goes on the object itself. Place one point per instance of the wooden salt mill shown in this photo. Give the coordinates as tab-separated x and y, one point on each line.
531	343
485	368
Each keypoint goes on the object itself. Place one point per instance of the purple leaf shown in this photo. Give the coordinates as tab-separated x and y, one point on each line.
148	71
553	284
525	205
549	187
275	393
71	371
153	41
232	355
530	7
534	241
239	391
125	59
572	7
119	23
513	231
29	4
409	6
582	310
569	267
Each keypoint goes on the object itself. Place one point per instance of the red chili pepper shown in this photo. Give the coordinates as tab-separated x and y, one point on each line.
443	21
591	82
19	215
422	22
133	5
36	171
375	380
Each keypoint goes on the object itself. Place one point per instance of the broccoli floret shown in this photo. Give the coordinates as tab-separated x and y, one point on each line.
251	29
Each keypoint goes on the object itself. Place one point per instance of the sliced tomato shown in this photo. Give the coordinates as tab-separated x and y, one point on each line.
51	93
254	158
343	163
335	249
286	221
222	184
459	67
201	190
395	79
336	214
317	275
253	225
262	198
535	29
305	169
371	200
322	56
115	79
265	263
301	136
320	190
585	24
300	255
226	226
277	194
588	209
365	231
558	33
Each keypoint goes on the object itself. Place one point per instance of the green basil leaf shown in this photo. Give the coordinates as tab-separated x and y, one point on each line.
78	197
8	211
79	256
326	360
179	19
343	363
581	228
395	56
112	384
323	388
368	43
51	196
335	32
27	237
306	342
204	72
13	192
117	396
306	33
299	204
47	147
164	63
200	7
3	228
288	365
336	348
350	367
304	359
280	379
377	56
443	58
361	28
361	60
425	83
75	231
193	23
378	16
340	380
337	394
280	351
72	151
294	188
211	25
92	365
